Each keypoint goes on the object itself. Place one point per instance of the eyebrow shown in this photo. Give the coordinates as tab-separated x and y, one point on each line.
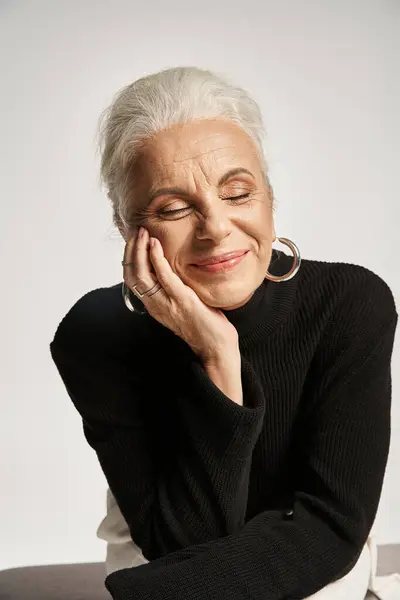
173	191
232	173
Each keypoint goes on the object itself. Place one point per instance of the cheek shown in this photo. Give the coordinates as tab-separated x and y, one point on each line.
171	238
264	223
259	225
262	231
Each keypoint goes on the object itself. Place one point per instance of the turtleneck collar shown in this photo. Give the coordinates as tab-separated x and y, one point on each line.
268	306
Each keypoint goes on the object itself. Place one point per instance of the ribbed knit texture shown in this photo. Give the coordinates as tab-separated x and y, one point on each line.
266	501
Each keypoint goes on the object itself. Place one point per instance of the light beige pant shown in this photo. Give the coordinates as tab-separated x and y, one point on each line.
123	553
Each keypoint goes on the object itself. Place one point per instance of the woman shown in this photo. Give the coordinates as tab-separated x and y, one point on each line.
240	408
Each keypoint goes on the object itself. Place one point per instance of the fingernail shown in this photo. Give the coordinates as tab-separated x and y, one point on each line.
141	232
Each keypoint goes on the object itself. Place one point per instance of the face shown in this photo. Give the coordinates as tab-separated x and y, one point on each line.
199	189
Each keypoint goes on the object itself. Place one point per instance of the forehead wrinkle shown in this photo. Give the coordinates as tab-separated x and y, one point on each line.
201	155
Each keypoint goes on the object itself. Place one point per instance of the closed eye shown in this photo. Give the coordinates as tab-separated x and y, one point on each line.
177	211
233	198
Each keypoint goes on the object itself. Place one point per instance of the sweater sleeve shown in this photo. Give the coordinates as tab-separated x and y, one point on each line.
337	494
192	491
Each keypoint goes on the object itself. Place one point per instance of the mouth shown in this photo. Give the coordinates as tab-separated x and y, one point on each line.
222	262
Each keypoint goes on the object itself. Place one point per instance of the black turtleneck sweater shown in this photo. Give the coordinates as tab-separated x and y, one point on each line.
266	501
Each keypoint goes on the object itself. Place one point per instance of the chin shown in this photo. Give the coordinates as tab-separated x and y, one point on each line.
226	296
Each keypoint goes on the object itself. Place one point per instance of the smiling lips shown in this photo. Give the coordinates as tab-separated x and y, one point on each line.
222	262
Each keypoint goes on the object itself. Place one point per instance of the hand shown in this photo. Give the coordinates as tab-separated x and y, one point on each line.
205	329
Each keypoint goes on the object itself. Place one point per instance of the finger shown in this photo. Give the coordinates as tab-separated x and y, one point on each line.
129	257
143	263
171	283
142	280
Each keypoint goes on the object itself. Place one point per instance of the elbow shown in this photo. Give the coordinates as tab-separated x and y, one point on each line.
352	535
153	535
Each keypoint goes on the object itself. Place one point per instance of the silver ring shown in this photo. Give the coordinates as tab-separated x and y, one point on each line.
155	291
148	292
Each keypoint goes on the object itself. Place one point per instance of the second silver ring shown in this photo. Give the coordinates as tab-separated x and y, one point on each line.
156	288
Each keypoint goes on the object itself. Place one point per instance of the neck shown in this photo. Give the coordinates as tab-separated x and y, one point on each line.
269	304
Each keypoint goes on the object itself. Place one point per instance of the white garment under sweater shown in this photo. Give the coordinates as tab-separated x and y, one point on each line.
123	553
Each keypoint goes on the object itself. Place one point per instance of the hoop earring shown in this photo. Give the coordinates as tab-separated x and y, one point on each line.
126	294
295	266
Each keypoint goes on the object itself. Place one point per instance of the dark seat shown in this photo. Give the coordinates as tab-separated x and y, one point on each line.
84	581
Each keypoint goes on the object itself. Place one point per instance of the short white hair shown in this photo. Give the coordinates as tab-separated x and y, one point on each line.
156	102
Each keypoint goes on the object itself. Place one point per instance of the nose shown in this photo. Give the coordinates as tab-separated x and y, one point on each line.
214	224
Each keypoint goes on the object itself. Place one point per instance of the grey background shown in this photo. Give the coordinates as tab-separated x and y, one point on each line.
326	74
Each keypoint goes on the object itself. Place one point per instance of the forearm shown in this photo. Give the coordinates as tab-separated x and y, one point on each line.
270	559
225	373
213	460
